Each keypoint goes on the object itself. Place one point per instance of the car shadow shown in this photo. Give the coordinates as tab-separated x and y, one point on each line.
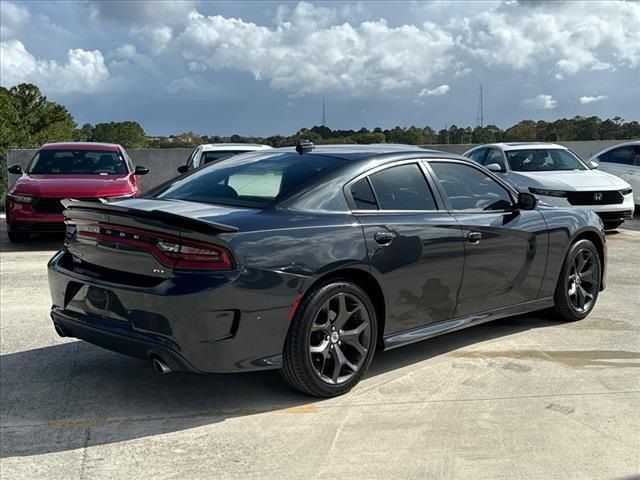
37	242
74	395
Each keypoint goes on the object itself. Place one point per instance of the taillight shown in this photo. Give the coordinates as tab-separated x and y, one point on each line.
171	251
196	255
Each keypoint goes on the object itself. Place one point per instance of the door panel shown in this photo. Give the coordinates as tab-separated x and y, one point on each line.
506	264
420	269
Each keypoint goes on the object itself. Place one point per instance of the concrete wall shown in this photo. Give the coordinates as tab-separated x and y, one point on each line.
163	162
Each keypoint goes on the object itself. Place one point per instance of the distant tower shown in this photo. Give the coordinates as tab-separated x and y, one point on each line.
480	114
324	113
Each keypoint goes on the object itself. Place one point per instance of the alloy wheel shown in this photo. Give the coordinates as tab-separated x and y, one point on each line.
340	338
583	281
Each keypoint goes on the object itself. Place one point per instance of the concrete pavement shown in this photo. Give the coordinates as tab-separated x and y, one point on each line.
521	398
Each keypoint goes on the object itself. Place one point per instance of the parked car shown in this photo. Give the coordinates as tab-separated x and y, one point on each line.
88	171
214	152
623	161
559	177
353	248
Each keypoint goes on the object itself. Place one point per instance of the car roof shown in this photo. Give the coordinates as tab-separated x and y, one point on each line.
363	152
525	145
111	147
208	147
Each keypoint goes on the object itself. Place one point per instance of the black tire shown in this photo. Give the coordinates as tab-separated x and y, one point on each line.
579	282
16	237
613	225
307	366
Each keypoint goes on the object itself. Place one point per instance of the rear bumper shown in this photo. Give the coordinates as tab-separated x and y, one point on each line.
196	322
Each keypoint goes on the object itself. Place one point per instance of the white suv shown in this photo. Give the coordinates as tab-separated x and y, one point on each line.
623	161
214	152
559	177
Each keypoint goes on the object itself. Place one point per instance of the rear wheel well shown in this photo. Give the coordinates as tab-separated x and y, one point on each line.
369	284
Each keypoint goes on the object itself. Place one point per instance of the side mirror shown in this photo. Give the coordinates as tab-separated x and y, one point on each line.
183	168
496	168
15	169
141	170
527	201
593	164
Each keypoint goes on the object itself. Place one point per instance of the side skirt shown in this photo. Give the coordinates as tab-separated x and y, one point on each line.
428	331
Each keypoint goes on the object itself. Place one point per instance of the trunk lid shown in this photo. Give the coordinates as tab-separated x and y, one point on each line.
134	241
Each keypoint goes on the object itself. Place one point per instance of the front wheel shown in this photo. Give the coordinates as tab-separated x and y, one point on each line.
579	283
331	341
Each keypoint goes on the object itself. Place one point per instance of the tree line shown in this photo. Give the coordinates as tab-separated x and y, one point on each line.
28	119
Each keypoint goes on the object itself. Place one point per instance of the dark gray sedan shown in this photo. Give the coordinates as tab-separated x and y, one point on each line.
308	259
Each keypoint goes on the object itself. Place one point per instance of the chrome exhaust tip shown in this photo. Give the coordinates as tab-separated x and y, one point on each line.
159	366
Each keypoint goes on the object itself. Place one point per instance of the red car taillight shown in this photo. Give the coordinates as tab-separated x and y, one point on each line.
171	251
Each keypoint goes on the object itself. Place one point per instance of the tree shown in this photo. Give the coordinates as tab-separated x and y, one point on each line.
525	131
41	121
127	134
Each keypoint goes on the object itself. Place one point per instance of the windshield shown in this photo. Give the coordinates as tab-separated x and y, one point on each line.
69	162
254	181
543	160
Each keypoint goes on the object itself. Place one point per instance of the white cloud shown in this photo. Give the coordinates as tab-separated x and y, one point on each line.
566	37
305	54
12	19
540	102
587	99
441	90
84	71
155	37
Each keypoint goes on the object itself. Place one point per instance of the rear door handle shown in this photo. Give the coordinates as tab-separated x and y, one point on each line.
383	238
474	237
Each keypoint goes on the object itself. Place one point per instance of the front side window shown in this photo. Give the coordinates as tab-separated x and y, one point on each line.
253	181
495	156
402	188
77	162
543	160
208	157
470	189
478	155
622	155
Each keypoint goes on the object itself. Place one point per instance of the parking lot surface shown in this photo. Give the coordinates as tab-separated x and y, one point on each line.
521	398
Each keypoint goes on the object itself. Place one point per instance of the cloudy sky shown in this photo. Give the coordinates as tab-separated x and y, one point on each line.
262	68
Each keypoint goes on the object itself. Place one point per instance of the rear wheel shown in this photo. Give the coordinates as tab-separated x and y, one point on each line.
331	341
16	237
579	283
613	225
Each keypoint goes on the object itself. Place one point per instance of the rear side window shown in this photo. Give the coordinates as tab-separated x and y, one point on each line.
363	196
402	188
470	189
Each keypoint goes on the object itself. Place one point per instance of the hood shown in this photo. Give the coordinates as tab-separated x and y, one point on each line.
74	186
570	181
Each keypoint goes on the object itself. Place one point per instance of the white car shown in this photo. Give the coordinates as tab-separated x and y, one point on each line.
214	152
559	177
623	161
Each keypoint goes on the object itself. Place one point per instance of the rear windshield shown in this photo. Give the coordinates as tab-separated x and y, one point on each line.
543	160
70	162
255	181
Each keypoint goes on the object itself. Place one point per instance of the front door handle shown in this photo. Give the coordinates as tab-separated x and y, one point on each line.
384	238
474	237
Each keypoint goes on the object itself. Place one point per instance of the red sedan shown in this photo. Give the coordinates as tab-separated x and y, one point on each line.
89	171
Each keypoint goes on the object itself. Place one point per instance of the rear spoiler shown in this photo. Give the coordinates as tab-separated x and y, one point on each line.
201	226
